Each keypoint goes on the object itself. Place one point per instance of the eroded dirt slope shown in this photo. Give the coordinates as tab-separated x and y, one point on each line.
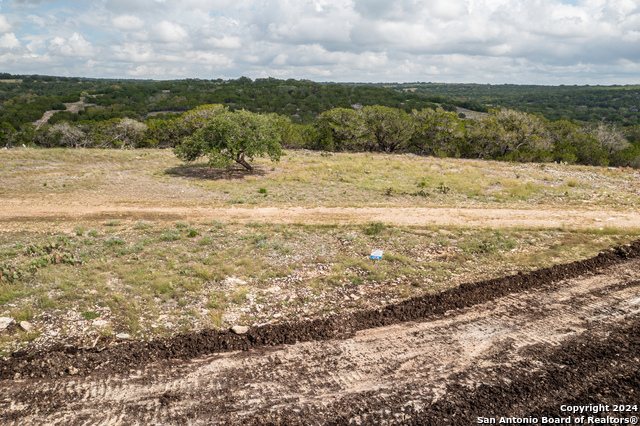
532	344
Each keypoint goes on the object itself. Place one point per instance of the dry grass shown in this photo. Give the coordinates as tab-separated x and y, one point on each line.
283	272
305	178
151	278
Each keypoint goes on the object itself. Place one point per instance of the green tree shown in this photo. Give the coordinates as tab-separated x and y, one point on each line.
522	134
385	129
337	130
196	118
229	137
7	133
571	144
439	133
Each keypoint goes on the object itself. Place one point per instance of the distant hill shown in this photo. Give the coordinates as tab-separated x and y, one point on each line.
25	98
612	104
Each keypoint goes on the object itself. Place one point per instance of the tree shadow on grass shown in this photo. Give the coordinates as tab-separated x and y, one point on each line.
204	172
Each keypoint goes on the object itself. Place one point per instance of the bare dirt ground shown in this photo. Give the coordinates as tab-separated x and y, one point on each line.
72	107
521	346
20	211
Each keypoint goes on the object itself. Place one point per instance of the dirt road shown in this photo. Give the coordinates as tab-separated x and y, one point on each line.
17	211
521	346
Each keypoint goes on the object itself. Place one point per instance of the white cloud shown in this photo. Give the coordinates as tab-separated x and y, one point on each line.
523	41
5	27
9	41
128	23
169	32
224	42
76	45
133	52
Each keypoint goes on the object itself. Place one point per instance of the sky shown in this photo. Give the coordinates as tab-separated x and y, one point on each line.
455	41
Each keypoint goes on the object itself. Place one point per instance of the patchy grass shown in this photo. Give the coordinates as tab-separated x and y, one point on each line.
239	273
156	278
307	178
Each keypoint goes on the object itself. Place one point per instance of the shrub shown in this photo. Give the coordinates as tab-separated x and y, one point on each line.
169	235
143	224
114	241
375	228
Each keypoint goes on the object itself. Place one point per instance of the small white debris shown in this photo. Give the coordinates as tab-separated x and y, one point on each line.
376	254
26	326
234	281
5	322
100	323
239	329
122	336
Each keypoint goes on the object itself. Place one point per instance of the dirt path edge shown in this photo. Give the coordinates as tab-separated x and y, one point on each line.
120	358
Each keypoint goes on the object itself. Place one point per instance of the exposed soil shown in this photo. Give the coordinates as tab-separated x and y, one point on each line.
40	214
519	346
73	107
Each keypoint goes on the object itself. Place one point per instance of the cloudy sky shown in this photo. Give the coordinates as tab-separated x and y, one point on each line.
480	41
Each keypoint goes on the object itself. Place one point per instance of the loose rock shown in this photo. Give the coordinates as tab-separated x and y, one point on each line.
5	322
234	281
100	323
239	329
26	326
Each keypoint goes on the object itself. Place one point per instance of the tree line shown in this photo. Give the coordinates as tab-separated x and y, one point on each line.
24	99
499	135
613	104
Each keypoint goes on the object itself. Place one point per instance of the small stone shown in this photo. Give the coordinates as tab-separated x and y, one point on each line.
100	323
122	336
5	322
26	326
239	329
234	281
72	371
17	376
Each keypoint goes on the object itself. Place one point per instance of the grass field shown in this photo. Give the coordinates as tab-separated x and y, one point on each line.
148	275
305	178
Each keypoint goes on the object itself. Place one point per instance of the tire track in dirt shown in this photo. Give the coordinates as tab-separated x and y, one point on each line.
70	211
398	373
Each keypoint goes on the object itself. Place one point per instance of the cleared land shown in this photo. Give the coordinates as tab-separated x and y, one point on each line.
105	242
99	243
521	347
